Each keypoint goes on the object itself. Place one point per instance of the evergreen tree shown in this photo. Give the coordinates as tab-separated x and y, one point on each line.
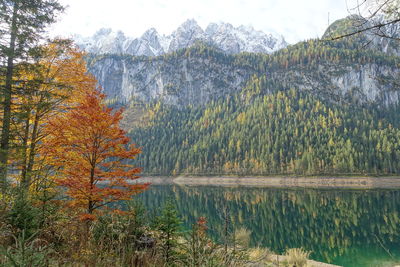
169	224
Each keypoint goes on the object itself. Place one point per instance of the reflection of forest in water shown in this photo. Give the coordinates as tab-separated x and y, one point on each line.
347	227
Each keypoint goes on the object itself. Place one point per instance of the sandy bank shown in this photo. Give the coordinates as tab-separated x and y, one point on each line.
279	259
311	182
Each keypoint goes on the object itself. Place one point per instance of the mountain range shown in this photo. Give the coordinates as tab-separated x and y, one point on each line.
221	35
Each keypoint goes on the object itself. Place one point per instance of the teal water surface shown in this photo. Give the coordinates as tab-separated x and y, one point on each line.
351	228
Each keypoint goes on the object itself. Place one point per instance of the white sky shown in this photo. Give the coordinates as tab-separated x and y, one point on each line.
295	19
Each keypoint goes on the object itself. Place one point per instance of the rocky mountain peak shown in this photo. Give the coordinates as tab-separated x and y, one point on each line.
186	35
190	24
149	34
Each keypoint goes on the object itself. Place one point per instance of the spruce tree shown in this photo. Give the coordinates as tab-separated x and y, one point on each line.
169	226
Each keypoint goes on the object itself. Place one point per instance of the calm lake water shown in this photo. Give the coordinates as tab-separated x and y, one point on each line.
352	228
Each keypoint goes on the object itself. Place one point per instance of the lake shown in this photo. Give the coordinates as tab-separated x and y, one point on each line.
352	228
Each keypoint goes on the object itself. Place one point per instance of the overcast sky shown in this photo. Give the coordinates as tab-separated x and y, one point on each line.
295	19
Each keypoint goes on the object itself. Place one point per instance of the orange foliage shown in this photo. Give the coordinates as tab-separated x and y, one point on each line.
201	226
92	154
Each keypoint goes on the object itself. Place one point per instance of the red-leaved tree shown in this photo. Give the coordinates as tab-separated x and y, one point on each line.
92	155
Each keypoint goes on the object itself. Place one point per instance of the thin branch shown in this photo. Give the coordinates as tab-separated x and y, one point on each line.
379	9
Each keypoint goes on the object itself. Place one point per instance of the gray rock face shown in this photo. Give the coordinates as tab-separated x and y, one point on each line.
186	81
340	82
365	83
151	43
194	80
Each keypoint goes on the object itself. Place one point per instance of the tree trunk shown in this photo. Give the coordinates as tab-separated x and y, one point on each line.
90	207
5	133
32	150
25	152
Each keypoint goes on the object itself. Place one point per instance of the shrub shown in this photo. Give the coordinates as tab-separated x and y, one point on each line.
297	257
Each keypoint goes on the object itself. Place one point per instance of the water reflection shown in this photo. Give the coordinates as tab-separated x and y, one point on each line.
346	227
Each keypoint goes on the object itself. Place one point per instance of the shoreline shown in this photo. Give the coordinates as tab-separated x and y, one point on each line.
277	259
354	182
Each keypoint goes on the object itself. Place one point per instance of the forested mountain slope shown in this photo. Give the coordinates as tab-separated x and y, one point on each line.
286	132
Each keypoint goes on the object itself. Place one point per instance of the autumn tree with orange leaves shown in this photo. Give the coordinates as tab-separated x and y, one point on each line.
93	155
